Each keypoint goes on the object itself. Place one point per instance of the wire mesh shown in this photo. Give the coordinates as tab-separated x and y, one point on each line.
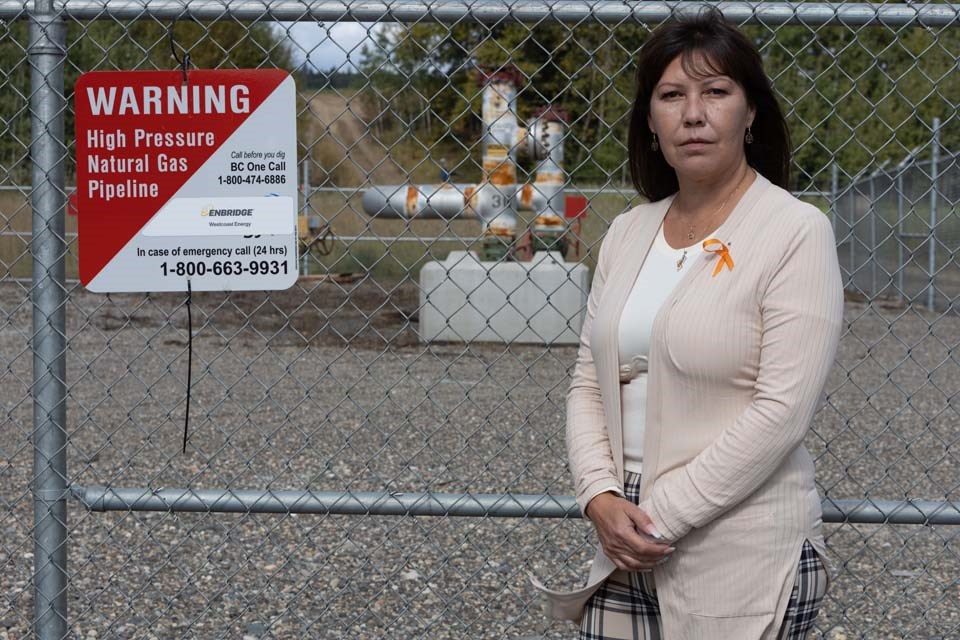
328	386
900	231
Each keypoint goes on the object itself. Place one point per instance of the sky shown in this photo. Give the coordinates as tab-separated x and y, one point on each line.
329	44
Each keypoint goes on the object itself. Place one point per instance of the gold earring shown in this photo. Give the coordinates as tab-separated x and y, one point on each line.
749	137
655	145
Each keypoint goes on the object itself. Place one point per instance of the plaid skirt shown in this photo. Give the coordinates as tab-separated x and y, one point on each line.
626	607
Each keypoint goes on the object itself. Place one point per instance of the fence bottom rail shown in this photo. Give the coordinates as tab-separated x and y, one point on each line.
101	498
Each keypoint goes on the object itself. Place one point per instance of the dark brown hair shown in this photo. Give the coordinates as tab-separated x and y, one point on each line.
706	39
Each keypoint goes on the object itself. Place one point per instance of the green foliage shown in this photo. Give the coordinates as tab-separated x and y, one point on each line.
426	81
15	105
864	96
854	96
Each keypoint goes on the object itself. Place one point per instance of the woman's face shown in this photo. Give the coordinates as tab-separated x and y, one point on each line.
699	121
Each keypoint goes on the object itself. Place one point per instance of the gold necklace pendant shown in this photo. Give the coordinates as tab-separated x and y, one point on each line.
691	231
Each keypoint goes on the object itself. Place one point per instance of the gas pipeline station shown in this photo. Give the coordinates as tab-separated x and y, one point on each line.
518	286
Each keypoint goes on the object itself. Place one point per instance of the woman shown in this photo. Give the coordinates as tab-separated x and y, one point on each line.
711	326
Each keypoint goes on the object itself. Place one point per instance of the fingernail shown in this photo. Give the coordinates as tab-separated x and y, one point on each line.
656	534
671	549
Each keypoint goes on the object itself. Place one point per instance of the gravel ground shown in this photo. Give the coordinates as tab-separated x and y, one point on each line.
315	388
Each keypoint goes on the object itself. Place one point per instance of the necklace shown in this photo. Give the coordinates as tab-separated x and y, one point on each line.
691	234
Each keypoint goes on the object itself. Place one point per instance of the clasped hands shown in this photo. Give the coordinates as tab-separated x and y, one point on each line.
627	534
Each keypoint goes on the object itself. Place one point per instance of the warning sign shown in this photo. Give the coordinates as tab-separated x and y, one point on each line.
186	180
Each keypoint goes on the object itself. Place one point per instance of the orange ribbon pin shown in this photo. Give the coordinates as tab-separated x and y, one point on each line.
722	251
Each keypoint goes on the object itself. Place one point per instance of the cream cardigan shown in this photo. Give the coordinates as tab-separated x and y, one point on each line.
737	364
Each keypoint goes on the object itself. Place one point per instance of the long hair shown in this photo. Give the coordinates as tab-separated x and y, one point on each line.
706	40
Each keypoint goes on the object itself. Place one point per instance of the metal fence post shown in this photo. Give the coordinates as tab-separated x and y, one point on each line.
873	231
852	210
47	51
305	182
932	238
834	190
901	267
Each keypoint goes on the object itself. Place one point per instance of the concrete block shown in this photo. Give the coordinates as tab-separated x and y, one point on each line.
539	302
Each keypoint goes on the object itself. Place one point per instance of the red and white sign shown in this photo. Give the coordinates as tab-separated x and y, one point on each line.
181	181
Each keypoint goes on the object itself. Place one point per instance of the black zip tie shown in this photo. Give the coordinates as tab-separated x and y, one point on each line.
184	63
186	417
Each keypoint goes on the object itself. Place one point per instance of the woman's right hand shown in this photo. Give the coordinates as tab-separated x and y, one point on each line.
626	533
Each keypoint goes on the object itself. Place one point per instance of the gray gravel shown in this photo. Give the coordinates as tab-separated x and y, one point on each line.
315	388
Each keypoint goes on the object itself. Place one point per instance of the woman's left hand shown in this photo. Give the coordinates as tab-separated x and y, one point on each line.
626	533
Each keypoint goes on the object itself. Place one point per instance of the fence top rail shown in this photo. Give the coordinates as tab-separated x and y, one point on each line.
496	11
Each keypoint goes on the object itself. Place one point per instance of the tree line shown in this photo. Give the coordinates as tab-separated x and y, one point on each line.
854	96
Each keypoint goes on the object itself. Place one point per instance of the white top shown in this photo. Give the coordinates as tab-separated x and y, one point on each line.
657	278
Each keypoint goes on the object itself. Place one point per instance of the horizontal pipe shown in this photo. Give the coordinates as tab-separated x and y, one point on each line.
355	191
498	11
418	239
412	202
24	235
100	498
70	281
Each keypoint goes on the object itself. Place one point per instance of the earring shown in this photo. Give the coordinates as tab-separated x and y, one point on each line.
749	137
654	144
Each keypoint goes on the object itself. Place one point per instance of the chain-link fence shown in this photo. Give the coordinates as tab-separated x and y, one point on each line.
900	229
343	477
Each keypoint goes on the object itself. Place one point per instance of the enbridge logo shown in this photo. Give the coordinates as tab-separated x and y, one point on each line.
210	212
